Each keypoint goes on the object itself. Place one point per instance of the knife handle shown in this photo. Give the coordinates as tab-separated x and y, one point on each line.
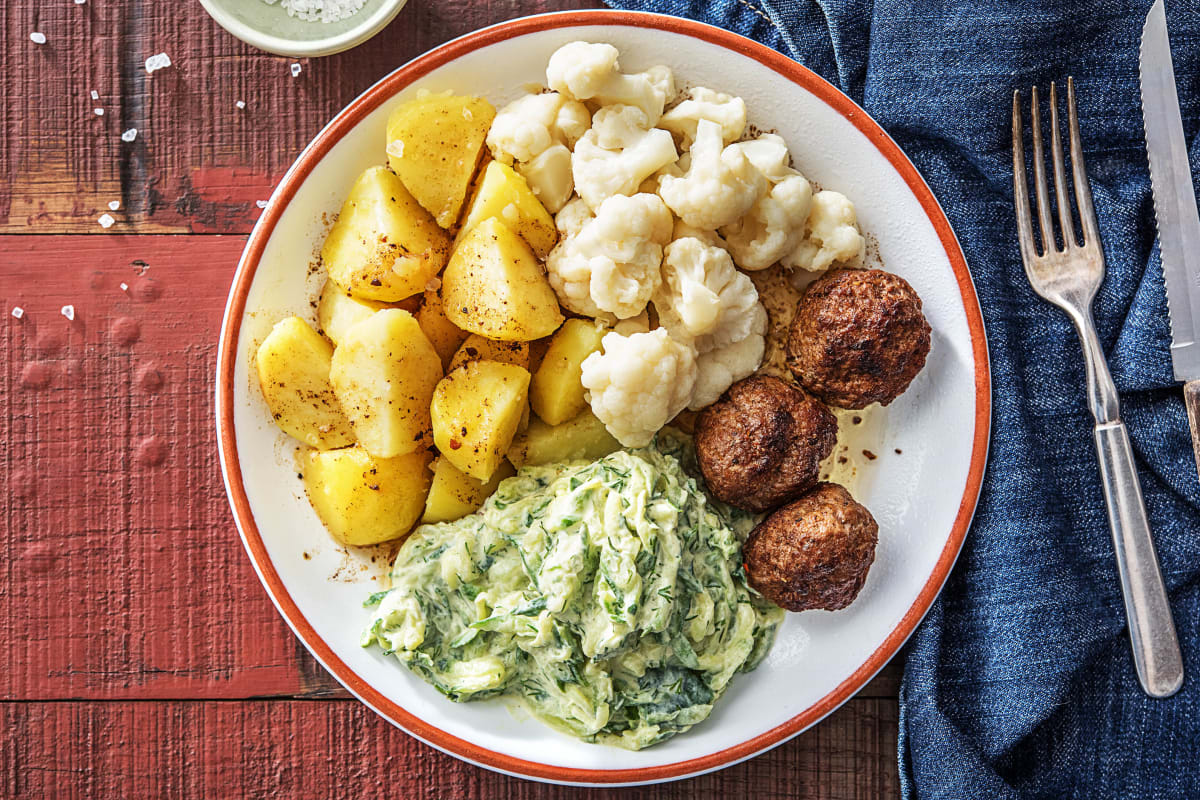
1191	398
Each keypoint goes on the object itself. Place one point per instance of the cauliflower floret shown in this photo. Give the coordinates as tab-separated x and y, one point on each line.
612	263
581	69
773	227
720	185
617	127
769	154
618	153
720	368
571	218
703	298
527	126
587	71
549	176
726	110
832	235
639	383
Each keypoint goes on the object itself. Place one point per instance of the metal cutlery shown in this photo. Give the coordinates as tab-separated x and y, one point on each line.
1069	276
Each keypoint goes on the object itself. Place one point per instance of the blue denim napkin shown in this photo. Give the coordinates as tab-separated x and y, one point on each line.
1020	682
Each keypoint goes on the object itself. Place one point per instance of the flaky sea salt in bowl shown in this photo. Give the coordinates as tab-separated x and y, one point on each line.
303	28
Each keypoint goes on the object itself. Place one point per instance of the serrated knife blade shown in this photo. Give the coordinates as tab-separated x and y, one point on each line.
1174	195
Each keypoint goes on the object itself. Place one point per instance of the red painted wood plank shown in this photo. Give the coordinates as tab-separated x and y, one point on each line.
340	749
198	163
123	574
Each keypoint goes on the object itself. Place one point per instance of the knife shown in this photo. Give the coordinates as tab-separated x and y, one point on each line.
1174	209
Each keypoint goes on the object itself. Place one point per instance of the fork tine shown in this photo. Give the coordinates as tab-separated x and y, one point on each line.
1039	177
1020	189
1083	191
1060	178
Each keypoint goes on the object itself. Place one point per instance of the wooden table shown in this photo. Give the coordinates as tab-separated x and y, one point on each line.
140	656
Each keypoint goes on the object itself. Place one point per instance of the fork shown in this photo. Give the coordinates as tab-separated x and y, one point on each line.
1068	277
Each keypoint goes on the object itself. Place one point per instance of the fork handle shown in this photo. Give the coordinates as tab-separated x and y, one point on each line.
1191	398
1151	627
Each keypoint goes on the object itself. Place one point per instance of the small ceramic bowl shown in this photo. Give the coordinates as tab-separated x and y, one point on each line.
271	28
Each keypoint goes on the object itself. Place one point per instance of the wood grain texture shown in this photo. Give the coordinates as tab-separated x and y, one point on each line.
123	573
341	749
198	163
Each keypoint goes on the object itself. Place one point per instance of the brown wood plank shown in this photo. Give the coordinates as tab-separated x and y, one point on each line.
342	750
123	573
198	163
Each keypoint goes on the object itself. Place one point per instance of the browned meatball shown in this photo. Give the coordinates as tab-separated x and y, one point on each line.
761	443
814	552
858	337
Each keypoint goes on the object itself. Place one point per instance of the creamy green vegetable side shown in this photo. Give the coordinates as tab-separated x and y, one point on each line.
610	595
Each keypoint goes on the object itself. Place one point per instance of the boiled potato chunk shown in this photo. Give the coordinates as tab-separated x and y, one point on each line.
384	246
338	310
556	392
454	493
383	374
494	286
366	500
293	371
477	348
505	195
445	336
476	410
434	144
583	437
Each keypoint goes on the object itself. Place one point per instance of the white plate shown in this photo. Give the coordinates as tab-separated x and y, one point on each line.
923	498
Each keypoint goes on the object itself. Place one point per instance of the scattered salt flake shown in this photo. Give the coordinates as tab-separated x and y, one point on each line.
113	205
396	148
260	203
240	104
68	312
296	70
157	62
106	220
99	112
129	135
124	286
18	312
37	37
467	115
95	95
